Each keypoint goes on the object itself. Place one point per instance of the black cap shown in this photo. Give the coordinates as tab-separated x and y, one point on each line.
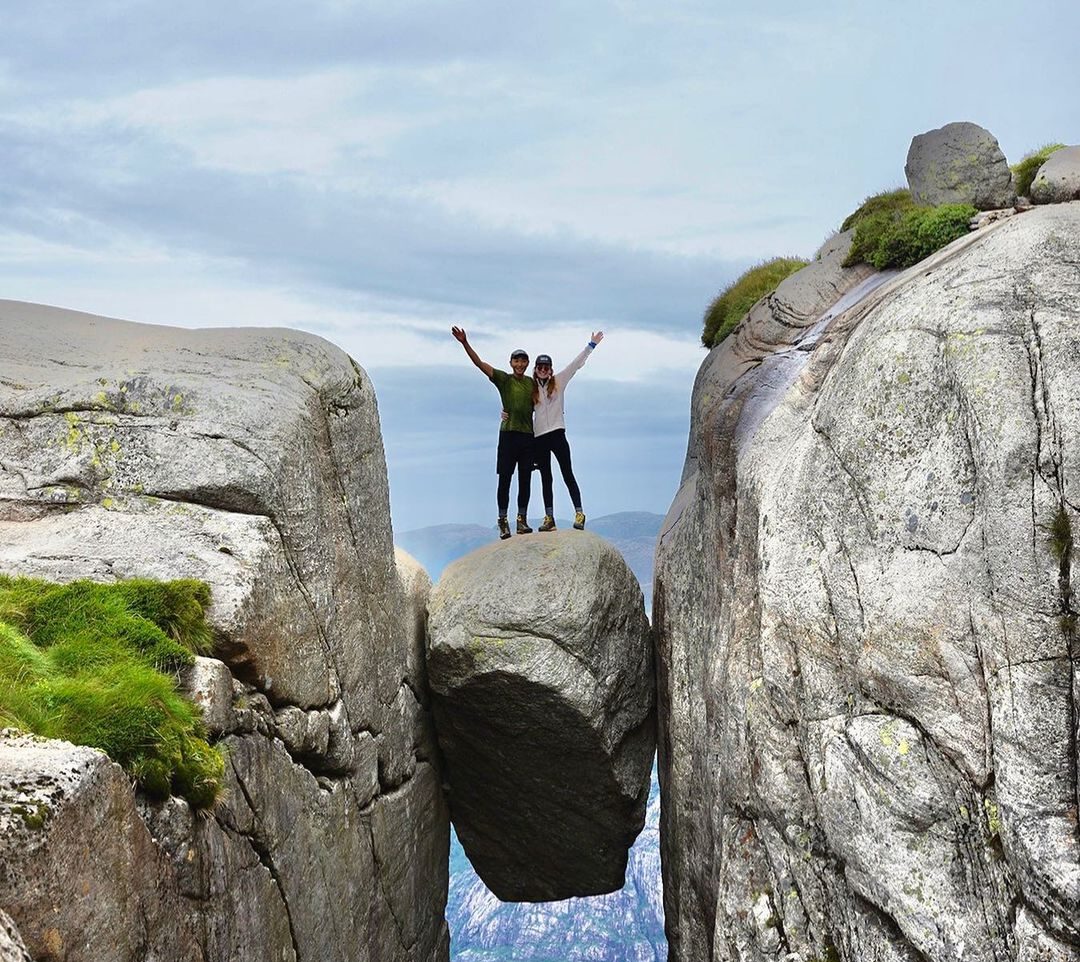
543	359
519	353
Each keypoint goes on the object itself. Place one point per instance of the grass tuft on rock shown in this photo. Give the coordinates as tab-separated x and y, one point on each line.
1061	537
892	202
88	663
1024	172
891	230
731	304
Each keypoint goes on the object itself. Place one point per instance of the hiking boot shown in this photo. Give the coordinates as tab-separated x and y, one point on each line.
504	528
549	523
523	525
579	521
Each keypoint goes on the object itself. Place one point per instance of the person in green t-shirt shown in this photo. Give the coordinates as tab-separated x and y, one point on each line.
515	431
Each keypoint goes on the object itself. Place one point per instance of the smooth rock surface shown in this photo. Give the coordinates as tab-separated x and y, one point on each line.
1058	180
960	163
540	666
251	459
867	690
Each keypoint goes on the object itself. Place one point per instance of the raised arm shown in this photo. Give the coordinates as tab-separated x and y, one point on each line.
575	365
459	333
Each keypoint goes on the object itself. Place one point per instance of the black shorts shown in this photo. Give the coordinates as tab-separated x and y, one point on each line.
515	449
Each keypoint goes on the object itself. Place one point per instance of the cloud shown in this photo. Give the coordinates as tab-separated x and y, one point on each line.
74	190
374	172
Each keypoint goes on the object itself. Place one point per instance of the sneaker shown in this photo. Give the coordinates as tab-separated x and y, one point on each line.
579	521
549	523
523	525
504	528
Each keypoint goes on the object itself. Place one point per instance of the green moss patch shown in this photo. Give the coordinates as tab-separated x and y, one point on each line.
1025	171
89	663
731	304
891	230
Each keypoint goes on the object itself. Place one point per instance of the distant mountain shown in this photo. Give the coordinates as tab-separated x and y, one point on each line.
437	546
625	926
634	533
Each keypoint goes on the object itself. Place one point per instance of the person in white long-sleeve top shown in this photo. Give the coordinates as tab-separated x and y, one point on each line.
549	430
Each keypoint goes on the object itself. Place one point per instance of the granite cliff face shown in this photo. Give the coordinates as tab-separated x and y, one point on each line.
866	624
251	460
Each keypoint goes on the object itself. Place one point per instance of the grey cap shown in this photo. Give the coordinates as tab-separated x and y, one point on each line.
519	353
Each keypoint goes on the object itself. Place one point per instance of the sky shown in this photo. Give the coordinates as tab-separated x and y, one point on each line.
376	172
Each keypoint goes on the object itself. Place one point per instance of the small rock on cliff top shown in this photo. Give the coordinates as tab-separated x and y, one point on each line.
540	664
959	163
1058	180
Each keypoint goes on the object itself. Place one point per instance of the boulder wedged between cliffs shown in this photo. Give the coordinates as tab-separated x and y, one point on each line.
541	671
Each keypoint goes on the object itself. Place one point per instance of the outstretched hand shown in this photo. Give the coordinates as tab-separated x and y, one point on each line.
459	333
597	337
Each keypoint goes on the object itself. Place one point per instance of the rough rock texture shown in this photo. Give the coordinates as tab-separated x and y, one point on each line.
1058	180
866	632
541	670
252	460
79	871
959	163
12	948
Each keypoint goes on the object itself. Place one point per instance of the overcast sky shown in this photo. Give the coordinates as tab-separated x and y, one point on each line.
375	172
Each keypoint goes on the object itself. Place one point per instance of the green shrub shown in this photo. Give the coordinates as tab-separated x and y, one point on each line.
731	304
86	662
875	217
920	232
891	230
1026	169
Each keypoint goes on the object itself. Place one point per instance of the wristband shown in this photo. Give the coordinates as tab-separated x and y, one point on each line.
592	344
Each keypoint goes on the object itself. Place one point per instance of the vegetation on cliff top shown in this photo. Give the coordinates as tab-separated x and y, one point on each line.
1025	171
891	230
87	663
731	304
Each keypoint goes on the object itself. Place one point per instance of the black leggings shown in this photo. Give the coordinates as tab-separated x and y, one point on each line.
554	442
517	452
524	476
